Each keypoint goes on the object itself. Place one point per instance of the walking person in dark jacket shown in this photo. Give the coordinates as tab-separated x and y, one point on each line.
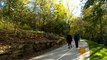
69	40
76	39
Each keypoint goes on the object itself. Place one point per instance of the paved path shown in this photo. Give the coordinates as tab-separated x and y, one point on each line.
63	53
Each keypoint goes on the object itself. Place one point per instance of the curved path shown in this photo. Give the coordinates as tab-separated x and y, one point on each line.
63	53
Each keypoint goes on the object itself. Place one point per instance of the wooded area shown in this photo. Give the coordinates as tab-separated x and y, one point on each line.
95	18
42	16
50	16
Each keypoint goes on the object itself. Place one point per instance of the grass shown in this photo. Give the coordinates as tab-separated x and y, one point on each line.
97	52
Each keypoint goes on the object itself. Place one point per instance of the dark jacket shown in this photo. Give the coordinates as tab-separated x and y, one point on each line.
76	37
69	38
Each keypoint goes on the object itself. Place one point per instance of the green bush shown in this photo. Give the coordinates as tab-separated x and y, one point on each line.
58	27
5	23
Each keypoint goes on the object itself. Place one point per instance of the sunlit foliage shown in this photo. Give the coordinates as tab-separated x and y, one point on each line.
95	12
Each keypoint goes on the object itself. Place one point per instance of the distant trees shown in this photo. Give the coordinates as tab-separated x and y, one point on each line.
44	15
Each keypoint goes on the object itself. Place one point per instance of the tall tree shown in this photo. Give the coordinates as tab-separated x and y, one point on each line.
93	13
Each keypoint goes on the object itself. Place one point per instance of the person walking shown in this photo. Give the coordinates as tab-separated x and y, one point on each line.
69	40
76	39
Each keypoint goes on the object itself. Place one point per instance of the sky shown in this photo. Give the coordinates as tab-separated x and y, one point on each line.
75	6
1	3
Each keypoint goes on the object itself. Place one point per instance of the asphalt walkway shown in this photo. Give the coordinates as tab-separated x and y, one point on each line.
63	53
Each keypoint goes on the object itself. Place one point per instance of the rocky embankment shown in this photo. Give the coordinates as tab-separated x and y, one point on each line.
16	45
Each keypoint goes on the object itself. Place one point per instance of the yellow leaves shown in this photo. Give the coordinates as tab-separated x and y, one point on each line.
5	24
25	1
60	9
73	18
77	25
89	11
61	6
82	50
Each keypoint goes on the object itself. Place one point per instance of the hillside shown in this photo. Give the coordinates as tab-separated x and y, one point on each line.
20	44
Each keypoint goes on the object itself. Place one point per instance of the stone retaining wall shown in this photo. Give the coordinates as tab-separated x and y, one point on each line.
16	51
